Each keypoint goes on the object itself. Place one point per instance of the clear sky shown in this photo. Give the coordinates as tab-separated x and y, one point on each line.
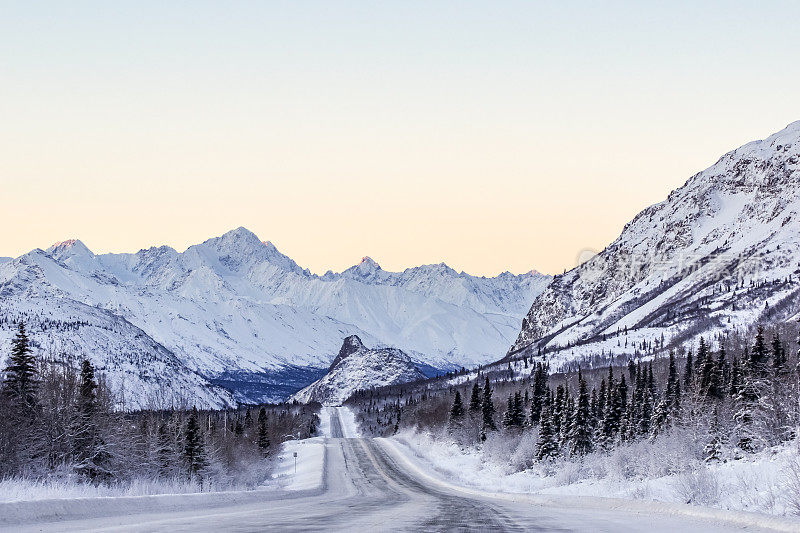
490	135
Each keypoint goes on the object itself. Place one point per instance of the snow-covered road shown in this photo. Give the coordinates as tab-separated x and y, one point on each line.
367	485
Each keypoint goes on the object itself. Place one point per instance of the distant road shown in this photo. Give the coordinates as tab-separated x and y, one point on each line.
366	489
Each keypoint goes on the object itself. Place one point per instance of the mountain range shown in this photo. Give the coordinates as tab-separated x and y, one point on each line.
233	319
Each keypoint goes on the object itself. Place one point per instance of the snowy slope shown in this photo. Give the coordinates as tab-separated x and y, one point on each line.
234	309
142	372
720	252
357	367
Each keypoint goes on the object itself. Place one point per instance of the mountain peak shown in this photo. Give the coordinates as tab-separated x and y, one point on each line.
368	262
68	248
351	345
240	233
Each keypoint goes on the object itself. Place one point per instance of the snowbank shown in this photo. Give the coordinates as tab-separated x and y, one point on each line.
349	424
23	501
468	471
310	465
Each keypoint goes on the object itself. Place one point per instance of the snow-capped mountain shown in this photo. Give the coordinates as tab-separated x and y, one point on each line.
721	252
235	311
357	367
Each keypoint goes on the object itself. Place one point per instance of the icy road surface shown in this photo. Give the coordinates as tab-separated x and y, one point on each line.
367	486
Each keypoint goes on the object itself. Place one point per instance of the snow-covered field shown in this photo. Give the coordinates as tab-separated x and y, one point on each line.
767	483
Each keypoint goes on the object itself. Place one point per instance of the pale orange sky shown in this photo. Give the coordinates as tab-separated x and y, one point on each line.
497	139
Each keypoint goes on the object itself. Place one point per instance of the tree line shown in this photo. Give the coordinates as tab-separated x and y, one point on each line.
739	395
60	422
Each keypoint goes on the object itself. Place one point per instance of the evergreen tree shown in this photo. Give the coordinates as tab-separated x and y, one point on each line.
702	356
487	408
21	383
539	392
612	416
580	432
475	399
547	447
778	354
659	418
457	410
713	449
194	448
557	409
673	391
508	415
263	435
758	357
711	375
89	446
647	411
688	377
519	412
736	377
602	399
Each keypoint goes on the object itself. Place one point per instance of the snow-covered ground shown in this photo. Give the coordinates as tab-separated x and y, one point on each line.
349	424
767	483
303	472
280	471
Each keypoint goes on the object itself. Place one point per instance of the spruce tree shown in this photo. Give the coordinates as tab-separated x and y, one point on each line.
475	399
736	377
713	448
778	354
673	391
547	447
89	446
580	432
702	355
194	448
519	413
487	408
758	357
263	435
457	410
539	392
507	416
688	376
21	383
557	409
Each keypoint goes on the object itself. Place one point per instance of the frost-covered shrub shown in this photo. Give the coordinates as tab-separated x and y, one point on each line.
524	455
698	487
499	447
791	475
569	472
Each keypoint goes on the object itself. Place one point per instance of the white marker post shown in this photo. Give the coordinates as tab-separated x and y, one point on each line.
295	462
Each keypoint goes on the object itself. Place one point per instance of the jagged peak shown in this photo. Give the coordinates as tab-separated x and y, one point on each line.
369	262
70	247
240	233
351	345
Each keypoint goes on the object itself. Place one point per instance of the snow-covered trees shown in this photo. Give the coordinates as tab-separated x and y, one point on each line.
20	382
58	419
580	431
487	408
263	432
457	411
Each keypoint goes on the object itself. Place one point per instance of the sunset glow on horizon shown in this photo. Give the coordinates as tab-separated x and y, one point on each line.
489	136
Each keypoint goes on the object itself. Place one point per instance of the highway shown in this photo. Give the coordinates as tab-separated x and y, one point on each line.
366	488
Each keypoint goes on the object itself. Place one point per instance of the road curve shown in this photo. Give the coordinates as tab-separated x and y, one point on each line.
366	489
